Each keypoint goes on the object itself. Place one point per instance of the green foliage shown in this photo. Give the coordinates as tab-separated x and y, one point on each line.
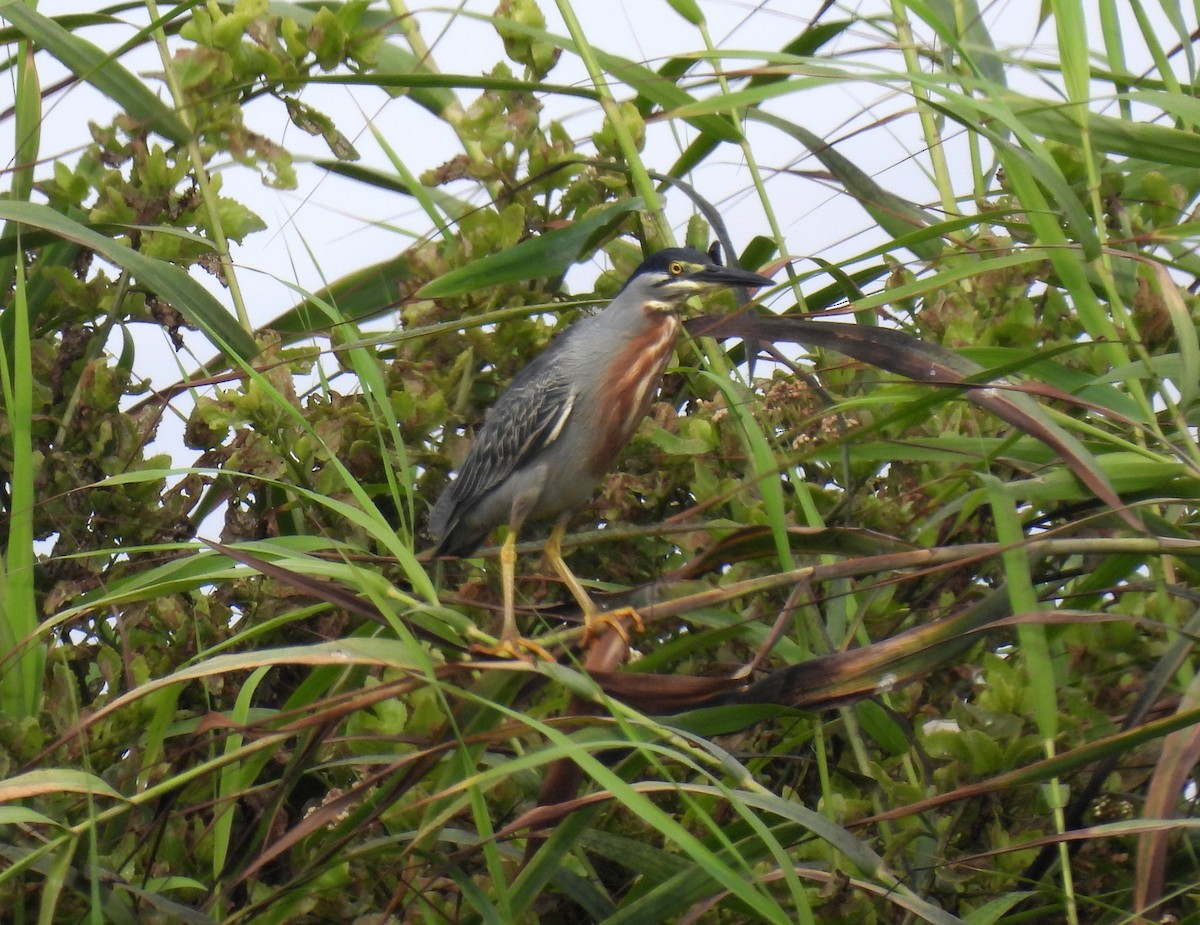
956	542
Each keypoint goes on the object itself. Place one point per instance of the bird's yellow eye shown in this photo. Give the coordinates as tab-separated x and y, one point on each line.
676	268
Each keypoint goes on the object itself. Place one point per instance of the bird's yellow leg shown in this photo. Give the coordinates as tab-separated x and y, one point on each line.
508	580
511	643
593	618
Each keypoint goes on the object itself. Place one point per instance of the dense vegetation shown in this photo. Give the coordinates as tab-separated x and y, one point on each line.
919	580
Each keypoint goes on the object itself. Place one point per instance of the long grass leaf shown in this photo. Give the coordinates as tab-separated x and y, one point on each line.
169	282
95	66
21	680
546	255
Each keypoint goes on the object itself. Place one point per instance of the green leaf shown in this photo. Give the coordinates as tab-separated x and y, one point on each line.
1156	143
19	815
424	81
101	70
994	910
1188	381
896	216
54	780
548	254
170	283
689	10
882	727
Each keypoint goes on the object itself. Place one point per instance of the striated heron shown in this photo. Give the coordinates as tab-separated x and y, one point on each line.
555	431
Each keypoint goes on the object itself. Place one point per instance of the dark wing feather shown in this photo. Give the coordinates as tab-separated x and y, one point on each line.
518	427
527	418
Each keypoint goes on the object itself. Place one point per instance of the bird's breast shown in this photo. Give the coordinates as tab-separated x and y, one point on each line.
629	384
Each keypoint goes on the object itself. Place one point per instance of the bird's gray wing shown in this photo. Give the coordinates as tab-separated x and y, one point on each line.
528	417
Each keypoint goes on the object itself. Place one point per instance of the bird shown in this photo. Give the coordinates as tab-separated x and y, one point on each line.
556	430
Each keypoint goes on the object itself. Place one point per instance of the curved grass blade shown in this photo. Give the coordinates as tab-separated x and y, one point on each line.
358	296
1159	144
1062	764
546	255
905	355
97	67
170	283
895	215
426	81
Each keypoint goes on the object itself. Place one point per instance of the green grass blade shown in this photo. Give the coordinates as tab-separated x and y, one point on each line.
21	681
95	66
546	255
169	282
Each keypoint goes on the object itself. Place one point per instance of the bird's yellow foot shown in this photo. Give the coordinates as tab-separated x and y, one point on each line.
518	647
594	623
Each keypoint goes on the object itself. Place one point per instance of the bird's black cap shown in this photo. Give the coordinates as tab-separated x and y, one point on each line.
699	266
